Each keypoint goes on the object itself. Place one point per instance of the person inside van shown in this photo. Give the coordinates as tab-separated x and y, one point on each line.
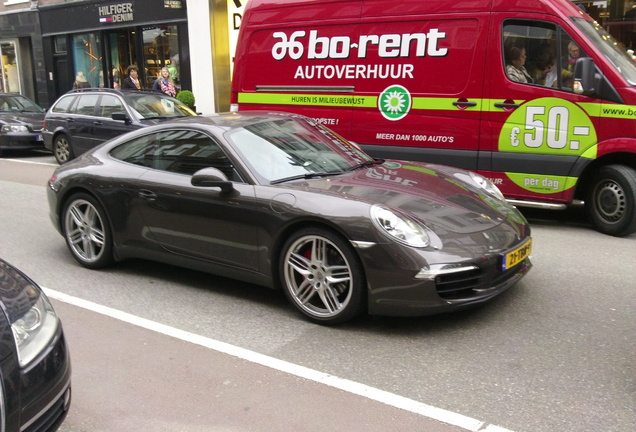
574	52
515	64
545	68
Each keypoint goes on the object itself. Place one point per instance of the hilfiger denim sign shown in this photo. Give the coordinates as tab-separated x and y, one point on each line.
118	12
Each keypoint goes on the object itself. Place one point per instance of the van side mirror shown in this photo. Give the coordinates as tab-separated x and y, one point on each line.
121	117
212	177
584	76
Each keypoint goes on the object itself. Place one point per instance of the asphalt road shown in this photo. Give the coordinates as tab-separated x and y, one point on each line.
555	353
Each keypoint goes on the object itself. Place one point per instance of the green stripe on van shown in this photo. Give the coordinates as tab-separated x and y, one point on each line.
309	99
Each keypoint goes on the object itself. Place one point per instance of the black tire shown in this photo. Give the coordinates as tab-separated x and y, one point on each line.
322	276
87	232
611	200
62	149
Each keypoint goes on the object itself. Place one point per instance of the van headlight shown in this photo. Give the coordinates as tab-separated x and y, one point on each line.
14	128
34	330
399	227
486	185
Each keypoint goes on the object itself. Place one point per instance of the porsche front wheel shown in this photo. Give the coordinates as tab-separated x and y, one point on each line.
322	276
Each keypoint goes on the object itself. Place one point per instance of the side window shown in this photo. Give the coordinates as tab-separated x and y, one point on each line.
63	105
108	105
86	104
539	53
178	151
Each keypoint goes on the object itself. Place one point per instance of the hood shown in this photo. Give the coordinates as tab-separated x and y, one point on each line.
444	199
33	120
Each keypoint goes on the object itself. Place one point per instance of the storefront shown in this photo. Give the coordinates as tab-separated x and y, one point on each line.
21	63
102	39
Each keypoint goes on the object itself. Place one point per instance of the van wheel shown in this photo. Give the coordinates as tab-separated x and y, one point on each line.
611	200
322	276
62	149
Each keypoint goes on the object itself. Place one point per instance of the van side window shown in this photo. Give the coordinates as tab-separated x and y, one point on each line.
539	53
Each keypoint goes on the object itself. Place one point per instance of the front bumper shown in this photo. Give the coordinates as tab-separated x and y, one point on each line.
396	290
21	141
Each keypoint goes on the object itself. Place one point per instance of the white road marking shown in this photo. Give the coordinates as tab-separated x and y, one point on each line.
31	162
349	386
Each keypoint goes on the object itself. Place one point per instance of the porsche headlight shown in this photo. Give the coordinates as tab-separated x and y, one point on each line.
399	227
14	128
486	185
34	330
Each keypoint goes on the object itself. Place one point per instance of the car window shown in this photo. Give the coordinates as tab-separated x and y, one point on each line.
177	151
539	53
110	104
86	105
156	105
18	103
63	104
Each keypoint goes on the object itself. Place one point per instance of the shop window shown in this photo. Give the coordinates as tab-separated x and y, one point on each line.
161	49
10	81
60	44
87	58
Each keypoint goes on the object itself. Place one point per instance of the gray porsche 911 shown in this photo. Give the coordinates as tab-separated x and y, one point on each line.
278	200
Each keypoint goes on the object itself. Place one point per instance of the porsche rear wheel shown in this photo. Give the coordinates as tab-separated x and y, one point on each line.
322	276
86	231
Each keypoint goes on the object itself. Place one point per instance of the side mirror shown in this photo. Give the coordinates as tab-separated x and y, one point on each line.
121	117
584	76
212	177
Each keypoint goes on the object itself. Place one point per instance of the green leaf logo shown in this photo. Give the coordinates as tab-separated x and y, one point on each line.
394	102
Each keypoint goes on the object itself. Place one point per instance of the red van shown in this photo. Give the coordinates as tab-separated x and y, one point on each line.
533	94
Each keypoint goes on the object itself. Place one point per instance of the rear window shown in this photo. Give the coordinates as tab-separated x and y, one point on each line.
63	104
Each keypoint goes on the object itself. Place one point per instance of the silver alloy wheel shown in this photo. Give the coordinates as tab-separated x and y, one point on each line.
318	276
85	231
62	149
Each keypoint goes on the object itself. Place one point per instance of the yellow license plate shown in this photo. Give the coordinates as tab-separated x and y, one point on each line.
515	256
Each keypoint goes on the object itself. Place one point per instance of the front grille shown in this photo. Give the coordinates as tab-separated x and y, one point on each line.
474	283
52	418
460	285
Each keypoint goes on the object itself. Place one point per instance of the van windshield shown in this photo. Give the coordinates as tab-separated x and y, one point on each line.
610	48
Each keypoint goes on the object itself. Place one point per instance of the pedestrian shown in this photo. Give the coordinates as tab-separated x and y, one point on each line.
132	82
164	83
80	81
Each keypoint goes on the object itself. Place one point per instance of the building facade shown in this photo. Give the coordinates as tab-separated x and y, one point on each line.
45	44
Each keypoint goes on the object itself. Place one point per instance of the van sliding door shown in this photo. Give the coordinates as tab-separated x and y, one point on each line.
425	77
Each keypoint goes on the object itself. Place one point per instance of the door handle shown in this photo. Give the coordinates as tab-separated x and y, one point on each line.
97	123
506	105
464	103
147	194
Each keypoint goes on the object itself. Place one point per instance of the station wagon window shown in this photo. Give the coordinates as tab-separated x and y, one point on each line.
85	105
176	151
62	106
109	105
539	53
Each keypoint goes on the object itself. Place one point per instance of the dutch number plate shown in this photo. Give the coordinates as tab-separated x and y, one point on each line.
515	256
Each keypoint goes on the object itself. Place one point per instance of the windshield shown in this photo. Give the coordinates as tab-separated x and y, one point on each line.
610	48
18	104
152	106
293	147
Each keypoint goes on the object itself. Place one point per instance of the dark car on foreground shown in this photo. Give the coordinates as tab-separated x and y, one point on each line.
35	367
278	200
84	118
21	122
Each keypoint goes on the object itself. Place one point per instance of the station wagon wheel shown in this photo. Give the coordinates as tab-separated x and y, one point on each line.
611	200
62	149
87	233
322	276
